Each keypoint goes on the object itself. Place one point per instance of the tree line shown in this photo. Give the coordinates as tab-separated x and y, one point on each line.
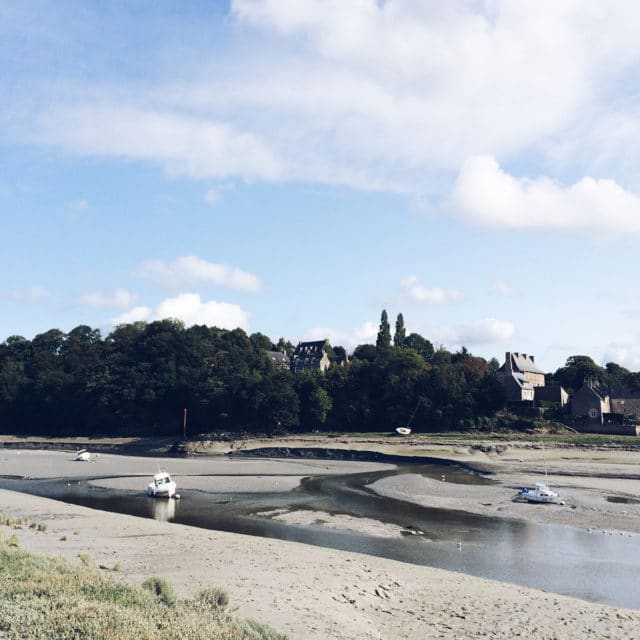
140	377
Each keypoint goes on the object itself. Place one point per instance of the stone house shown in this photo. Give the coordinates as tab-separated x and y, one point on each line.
520	376
280	359
310	356
589	404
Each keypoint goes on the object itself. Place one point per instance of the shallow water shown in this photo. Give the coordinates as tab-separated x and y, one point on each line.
597	566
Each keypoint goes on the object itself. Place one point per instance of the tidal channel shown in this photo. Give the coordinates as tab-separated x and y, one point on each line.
561	559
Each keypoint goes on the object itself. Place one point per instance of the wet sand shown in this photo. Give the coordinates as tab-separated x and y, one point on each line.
311	592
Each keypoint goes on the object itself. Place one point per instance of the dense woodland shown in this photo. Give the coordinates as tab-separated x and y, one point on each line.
139	379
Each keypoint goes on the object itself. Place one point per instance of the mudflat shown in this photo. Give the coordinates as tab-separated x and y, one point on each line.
311	592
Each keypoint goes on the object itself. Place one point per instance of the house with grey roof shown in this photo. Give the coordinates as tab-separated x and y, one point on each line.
589	404
310	356
520	376
280	359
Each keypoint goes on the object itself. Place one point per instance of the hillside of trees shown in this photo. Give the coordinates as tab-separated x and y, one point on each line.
139	379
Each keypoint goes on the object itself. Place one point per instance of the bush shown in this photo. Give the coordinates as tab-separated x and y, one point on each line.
215	598
161	588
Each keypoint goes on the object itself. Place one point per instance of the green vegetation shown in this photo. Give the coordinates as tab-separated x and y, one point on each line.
51	598
139	379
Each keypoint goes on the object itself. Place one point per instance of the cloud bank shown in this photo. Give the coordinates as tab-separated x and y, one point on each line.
191	270
190	308
487	195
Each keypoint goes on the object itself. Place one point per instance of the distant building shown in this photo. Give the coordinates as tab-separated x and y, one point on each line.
280	359
589	404
553	393
520	377
310	356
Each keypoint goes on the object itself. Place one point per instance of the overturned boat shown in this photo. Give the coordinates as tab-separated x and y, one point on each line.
162	486
83	456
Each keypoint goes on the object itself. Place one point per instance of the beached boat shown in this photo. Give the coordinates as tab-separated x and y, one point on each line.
539	493
162	486
403	431
83	456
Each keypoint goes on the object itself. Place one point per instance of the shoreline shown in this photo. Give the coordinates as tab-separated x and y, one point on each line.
313	592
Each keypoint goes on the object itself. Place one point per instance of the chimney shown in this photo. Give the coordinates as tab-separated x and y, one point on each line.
508	365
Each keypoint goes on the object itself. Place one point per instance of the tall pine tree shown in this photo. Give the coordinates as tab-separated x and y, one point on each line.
400	334
383	341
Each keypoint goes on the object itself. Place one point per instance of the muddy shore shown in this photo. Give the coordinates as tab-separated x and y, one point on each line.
311	592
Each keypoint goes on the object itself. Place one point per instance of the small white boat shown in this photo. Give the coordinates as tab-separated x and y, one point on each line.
83	456
162	486
403	431
539	493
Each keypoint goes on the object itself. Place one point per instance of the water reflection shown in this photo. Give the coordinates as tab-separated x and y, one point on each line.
163	509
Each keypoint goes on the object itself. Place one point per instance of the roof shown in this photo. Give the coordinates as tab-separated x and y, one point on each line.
315	345
521	362
278	357
521	381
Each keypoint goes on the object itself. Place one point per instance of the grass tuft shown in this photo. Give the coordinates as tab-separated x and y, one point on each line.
215	598
161	589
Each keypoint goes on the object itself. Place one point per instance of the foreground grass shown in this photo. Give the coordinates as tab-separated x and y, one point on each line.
51	598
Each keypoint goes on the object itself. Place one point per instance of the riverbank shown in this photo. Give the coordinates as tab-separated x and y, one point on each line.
312	592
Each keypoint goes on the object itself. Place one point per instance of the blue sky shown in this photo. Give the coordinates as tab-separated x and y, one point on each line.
294	166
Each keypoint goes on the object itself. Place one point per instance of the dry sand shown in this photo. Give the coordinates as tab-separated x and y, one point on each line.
316	593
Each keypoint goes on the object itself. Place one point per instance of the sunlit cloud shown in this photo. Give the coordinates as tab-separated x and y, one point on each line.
191	270
213	195
363	334
626	355
486	331
119	299
34	293
192	310
504	289
487	195
414	291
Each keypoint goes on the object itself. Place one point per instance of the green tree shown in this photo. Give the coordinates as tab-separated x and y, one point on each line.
285	346
261	342
420	345
383	341
366	352
578	369
400	334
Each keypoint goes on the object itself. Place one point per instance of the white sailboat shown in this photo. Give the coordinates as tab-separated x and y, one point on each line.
540	491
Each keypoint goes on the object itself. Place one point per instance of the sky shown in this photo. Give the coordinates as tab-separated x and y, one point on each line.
293	167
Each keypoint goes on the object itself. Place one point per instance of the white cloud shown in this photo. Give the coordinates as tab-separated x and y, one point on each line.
136	314
623	354
190	270
364	334
506	290
190	308
213	195
486	331
79	206
367	93
118	300
417	292
34	293
192	146
486	194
